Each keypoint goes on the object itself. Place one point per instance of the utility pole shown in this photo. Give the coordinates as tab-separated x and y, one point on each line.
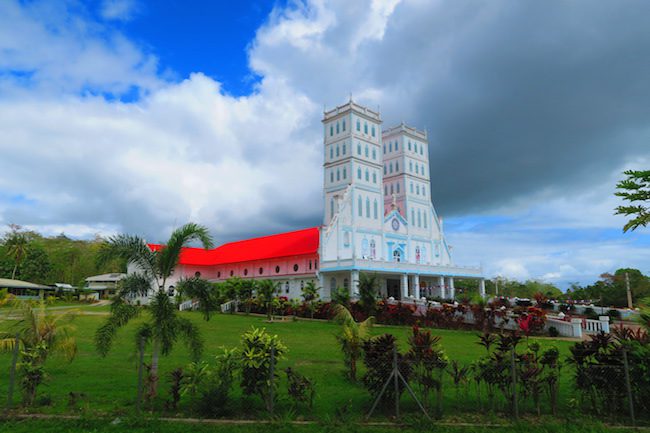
629	292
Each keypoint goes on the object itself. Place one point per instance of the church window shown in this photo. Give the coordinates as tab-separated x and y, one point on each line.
374	153
331	152
396	165
333	284
417	189
409	145
367	176
338	174
374	177
337	127
365	127
260	271
397	256
417	169
411	187
425	218
392	189
367	151
277	269
384	149
367	207
373	130
419	219
359	173
331	130
411	166
385	189
373	249
295	267
231	272
390	146
343	148
358	126
343	125
397	187
360	203
332	176
337	151
396	146
358	148
344	173
375	210
332	208
245	272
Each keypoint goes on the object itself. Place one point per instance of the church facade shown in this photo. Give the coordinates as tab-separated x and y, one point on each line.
378	218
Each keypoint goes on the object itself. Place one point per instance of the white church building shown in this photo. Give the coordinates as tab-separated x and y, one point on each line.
378	219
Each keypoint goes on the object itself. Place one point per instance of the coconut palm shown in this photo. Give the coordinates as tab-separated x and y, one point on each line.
310	295
203	291
266	293
40	334
17	244
368	287
351	337
152	269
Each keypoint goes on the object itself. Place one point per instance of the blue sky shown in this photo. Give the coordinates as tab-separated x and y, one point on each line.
135	116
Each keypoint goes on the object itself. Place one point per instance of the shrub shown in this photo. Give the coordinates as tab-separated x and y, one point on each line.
378	359
300	388
428	362
590	313
259	355
614	314
553	332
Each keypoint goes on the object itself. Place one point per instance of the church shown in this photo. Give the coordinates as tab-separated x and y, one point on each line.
378	218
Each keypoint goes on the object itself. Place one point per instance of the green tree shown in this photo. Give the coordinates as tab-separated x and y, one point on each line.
368	286
310	296
246	291
203	291
41	334
165	326
16	243
635	189
351	337
266	293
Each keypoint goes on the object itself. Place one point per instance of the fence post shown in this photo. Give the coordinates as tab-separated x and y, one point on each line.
515	407
138	405
12	372
396	381
628	385
271	380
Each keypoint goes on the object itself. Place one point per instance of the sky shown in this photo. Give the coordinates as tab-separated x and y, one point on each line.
134	116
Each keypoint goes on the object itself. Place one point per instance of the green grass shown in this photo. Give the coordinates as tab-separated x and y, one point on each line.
109	384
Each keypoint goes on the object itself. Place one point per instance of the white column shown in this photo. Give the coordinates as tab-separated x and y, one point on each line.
452	289
416	286
481	287
405	286
326	291
354	284
441	283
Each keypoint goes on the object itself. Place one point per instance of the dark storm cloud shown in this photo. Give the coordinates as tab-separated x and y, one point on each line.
521	97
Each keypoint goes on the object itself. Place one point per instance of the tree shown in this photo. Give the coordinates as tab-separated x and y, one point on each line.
246	290
201	290
266	292
153	268
368	286
17	244
351	337
635	189
40	334
310	295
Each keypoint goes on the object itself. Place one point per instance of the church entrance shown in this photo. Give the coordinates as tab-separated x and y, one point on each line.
393	288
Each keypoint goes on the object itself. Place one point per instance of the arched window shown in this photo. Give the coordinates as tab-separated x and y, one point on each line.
365	127
367	207
359	149
375	210
397	187
295	267
367	176
343	124
373	130
277	269
367	151
197	274
374	177
358	126
397	256
338	174
344	173
374	153
409	144
343	149
337	151
231	273
392	189
260	271
359	173
332	176
396	146
337	127
245	272
331	208
360	202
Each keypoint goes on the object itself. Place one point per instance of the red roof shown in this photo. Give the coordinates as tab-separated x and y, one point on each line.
294	243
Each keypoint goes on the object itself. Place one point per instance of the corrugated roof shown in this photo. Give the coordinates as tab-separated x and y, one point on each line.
294	243
18	284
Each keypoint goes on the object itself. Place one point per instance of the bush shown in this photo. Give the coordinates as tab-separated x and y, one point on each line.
257	360
209	386
553	332
378	359
614	314
590	313
300	388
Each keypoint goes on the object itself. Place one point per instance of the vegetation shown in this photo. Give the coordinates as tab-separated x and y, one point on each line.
351	338
165	325
636	190
310	296
610	290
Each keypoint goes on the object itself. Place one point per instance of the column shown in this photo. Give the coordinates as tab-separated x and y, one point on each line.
441	283
481	287
416	286
326	291
405	286
354	284
452	289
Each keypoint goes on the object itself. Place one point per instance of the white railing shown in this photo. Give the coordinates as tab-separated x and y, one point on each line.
187	305
596	326
229	306
565	328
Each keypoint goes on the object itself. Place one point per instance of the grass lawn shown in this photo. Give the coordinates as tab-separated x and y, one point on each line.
108	384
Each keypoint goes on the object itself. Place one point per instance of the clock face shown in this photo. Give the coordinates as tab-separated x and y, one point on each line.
395	224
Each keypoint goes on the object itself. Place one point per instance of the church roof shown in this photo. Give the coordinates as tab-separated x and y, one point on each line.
287	244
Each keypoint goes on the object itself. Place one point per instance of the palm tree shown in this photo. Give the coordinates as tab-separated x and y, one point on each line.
266	293
165	325
40	334
202	290
368	286
310	295
17	244
351	337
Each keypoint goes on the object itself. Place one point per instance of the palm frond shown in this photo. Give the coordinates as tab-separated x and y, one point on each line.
170	253
121	314
134	284
192	337
133	249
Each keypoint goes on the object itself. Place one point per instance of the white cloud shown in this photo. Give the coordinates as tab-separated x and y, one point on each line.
121	10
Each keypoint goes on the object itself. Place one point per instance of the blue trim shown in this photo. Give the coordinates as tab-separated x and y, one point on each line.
369	231
395	214
397	271
396	236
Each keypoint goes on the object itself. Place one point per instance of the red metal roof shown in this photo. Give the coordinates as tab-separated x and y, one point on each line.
294	243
